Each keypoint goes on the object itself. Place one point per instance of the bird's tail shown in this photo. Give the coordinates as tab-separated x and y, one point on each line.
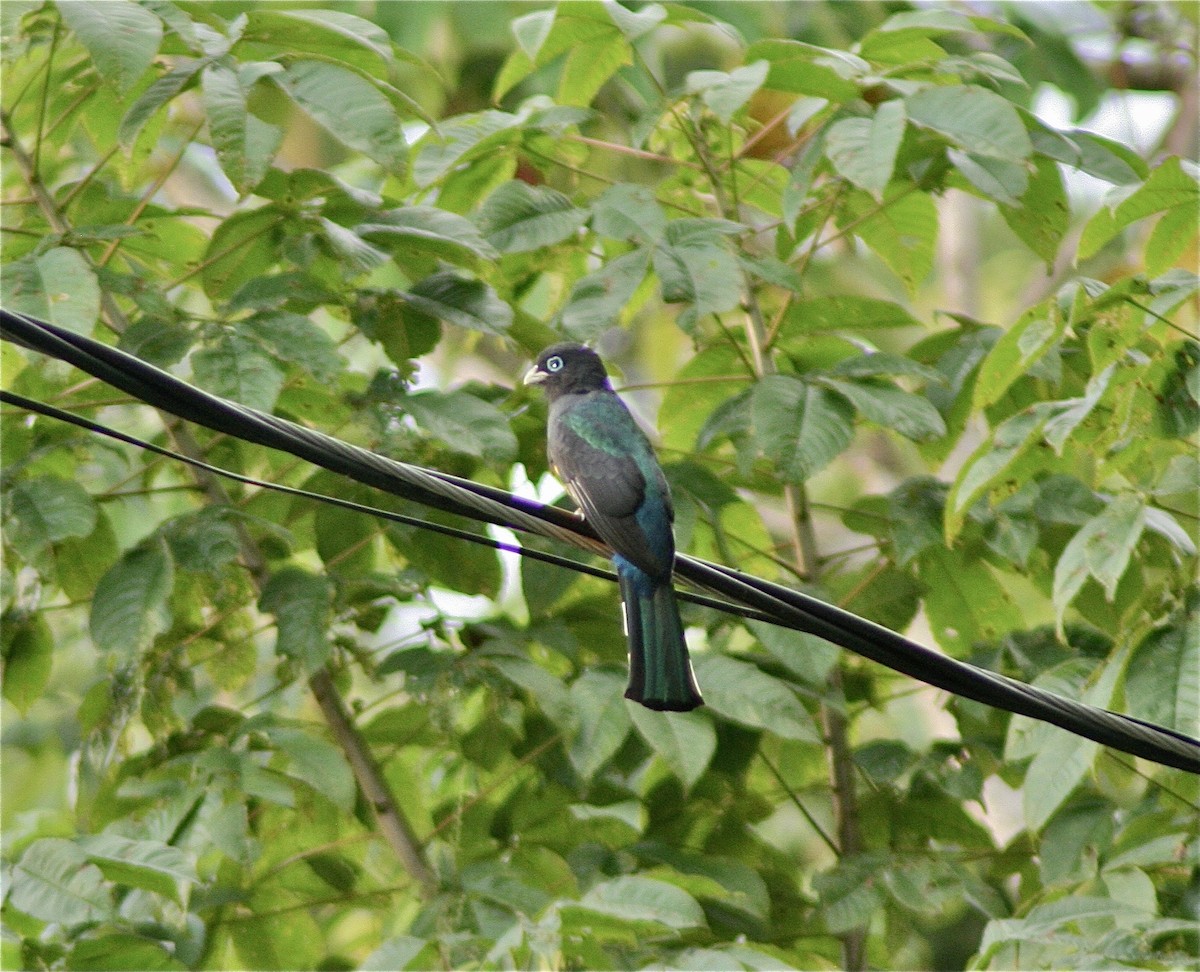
660	672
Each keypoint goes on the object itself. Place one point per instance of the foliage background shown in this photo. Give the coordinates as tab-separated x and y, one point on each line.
368	217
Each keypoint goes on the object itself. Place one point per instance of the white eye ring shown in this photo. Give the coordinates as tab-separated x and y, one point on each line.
554	364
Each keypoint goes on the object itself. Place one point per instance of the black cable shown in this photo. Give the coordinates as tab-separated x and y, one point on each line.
784	606
61	415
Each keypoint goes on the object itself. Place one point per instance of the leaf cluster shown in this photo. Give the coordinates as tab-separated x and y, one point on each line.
312	213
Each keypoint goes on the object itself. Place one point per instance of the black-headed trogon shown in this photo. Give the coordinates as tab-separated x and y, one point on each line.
608	466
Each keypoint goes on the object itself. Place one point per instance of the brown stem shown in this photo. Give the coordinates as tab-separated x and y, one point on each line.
393	825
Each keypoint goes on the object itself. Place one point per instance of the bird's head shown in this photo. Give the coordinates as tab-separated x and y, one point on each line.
568	368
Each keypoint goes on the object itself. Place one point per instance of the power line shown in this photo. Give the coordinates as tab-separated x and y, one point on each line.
780	605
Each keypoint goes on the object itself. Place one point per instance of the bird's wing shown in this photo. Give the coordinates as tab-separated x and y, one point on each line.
595	447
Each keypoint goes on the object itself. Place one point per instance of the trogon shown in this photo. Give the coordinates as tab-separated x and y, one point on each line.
607	464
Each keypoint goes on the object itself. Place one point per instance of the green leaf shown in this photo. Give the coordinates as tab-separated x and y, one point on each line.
701	271
686	741
428	231
1176	182
519	217
28	658
47	509
744	693
848	899
975	119
626	818
1101	549
725	881
774	271
1009	442
1170	186
590	64
82	561
148	864
54	882
275	937
344	537
121	37
242	249
933	22
1107	159
688	406
1037	331
794	200
1043	922
204	541
245	144
515	69
891	407
1042	215
1066	415
598	300
401	953
121	952
1061	760
471	304
326	33
58	286
353	253
863	150
726	93
317	762
531	30
884	760
604	721
627	211
1005	182
808	69
461	189
298	340
1057	768
239	368
1162	683
462	139
593	39
902	233
302	605
915	511
799	426
1171	236
467	568
964	601
845	312
131	603
351	108
635	23
809	657
465	423
547	691
163	90
639	899
881	363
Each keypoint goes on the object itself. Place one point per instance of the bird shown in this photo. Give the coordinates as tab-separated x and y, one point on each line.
603	458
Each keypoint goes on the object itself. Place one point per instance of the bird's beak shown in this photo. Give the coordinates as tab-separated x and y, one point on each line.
534	376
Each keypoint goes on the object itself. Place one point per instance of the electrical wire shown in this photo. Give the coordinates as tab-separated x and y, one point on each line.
781	605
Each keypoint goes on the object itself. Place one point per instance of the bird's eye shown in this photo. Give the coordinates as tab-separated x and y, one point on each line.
554	363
